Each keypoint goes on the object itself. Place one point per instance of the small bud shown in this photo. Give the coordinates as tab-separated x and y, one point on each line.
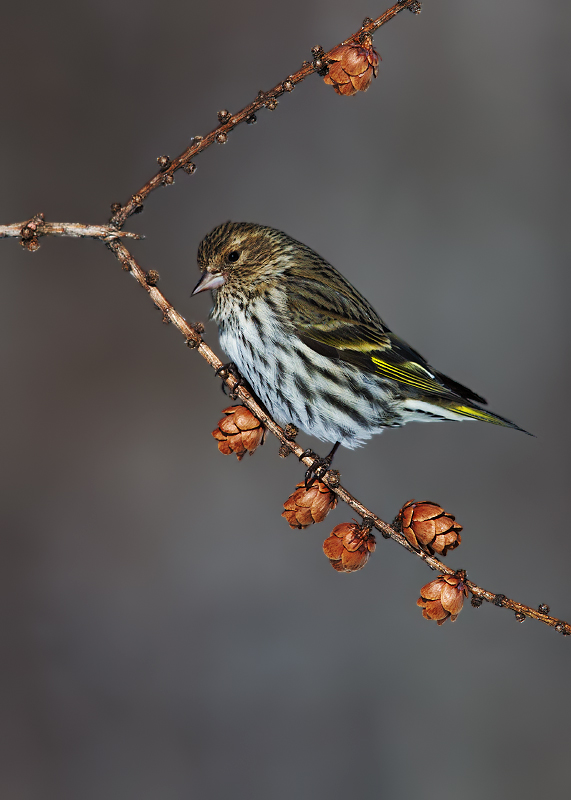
499	600
544	608
115	208
317	50
349	546
366	21
251	119
288	86
239	432
221	137
189	167
442	598
223	116
354	67
271	103
304	507
163	162
427	527
290	431
29	233
284	451
197	139
31	243
168	180
152	277
519	616
195	341
415	7
368	524
476	601
35	223
334	478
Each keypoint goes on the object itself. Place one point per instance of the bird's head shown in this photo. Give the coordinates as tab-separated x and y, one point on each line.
242	256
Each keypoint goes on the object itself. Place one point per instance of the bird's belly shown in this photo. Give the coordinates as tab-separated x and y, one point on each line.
326	398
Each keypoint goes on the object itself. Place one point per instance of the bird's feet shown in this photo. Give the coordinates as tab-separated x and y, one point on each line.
224	372
319	467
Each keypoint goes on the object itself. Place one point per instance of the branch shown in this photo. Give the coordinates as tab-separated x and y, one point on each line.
229	121
30	231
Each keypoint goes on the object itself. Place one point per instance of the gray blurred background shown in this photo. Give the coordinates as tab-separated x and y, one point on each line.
164	633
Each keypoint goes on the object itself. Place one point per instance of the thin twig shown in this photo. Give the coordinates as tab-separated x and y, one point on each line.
229	121
76	230
30	231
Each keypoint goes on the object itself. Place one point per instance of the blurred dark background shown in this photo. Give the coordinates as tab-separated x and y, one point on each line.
164	633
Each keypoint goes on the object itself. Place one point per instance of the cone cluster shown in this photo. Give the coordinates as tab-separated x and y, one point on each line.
238	432
354	67
349	546
427	527
307	506
443	598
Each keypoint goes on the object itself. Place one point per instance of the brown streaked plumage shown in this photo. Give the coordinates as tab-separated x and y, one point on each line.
312	347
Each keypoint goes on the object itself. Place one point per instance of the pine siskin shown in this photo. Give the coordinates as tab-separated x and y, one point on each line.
312	348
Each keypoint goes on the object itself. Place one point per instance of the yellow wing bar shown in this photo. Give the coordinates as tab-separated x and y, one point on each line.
405	375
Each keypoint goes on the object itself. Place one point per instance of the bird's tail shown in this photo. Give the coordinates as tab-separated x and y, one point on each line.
473	412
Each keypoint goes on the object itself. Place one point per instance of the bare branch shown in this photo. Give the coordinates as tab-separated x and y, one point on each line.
229	121
30	231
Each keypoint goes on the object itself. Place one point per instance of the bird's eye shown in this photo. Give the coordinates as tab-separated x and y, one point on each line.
234	255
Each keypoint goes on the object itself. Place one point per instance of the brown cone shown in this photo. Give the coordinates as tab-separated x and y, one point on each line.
239	432
442	598
306	506
354	67
426	526
348	547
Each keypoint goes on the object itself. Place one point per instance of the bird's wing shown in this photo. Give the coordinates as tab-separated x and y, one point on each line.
337	322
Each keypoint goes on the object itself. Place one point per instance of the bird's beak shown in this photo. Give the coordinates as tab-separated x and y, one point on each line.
209	280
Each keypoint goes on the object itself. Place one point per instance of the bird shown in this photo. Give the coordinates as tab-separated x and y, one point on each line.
312	348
